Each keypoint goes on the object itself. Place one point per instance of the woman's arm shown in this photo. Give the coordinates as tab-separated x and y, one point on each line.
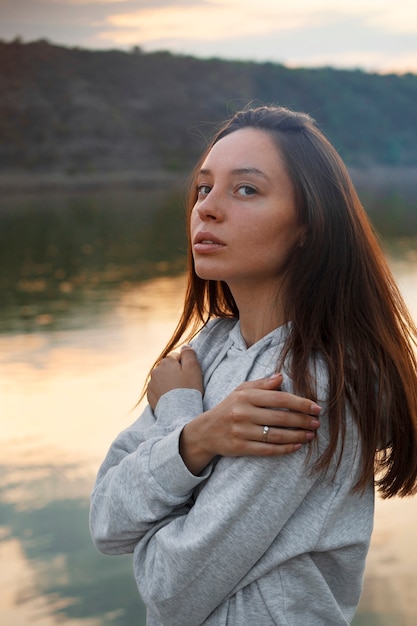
144	481
251	515
235	427
190	566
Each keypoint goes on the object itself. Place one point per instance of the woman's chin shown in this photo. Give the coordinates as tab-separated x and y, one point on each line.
207	274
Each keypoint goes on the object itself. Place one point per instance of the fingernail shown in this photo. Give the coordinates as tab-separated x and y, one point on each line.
315	408
186	346
310	435
275	376
314	424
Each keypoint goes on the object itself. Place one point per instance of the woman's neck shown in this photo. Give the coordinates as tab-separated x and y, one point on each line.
259	314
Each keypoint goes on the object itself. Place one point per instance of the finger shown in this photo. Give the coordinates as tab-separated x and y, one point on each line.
285	419
292	402
174	356
188	357
267	449
246	439
284	400
278	436
272	382
172	360
257	448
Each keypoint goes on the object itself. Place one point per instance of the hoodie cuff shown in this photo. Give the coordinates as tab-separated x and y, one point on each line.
177	407
168	468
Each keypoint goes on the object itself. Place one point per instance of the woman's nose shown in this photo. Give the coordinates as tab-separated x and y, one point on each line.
211	208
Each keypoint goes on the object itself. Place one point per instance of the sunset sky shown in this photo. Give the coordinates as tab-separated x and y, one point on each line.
375	35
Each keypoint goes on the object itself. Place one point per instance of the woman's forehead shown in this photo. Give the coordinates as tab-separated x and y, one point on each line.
244	149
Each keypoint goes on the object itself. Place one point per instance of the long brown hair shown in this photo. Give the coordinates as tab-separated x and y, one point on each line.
343	303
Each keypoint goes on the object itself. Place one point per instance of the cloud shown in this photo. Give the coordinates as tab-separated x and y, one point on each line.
356	36
401	20
214	20
373	34
343	43
78	2
217	20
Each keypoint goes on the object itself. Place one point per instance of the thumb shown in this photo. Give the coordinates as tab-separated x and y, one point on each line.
273	382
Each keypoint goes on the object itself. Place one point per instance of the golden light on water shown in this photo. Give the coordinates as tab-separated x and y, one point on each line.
72	391
65	395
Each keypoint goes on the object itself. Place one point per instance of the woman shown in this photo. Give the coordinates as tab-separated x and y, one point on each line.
236	511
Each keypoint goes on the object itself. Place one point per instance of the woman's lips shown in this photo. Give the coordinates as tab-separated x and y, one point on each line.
206	242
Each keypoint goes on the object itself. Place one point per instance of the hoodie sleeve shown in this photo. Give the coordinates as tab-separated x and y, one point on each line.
143	480
190	566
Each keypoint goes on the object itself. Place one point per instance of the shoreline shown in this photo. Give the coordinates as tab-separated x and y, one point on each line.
21	182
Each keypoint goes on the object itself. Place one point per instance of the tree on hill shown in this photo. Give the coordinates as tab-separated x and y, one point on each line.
75	110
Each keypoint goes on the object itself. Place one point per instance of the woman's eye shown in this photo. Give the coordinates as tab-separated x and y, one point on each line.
246	190
203	190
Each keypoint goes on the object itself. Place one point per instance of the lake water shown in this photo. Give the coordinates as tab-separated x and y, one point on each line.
90	290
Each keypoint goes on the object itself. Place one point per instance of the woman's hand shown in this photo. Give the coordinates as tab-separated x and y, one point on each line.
177	370
236	426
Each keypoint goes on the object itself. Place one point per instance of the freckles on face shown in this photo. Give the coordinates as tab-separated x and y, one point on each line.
244	222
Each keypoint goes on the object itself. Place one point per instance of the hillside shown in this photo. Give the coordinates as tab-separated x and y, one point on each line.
75	111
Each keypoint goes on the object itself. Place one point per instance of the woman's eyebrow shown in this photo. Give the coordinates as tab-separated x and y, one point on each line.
249	170
204	172
238	172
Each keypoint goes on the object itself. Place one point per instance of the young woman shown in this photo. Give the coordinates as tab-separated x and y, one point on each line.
240	510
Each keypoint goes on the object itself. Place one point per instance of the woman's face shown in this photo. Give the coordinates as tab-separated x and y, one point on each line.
244	222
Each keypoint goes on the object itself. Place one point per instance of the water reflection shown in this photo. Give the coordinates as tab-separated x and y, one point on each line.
80	385
56	575
90	290
60	254
79	390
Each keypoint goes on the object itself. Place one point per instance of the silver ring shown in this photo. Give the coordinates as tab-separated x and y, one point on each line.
265	433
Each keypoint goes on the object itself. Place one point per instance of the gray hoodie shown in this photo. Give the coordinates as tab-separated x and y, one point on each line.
252	541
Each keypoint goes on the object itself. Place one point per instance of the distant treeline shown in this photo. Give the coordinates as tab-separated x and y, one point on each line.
79	111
